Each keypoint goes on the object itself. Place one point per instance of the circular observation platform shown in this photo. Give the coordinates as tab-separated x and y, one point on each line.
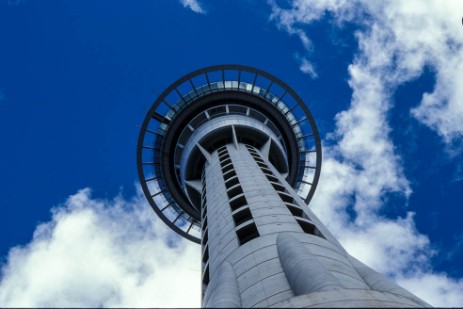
207	109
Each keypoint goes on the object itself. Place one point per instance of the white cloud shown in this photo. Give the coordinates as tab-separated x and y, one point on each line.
14	2
397	40
442	110
307	11
400	39
193	5
285	20
424	33
307	68
448	292
102	253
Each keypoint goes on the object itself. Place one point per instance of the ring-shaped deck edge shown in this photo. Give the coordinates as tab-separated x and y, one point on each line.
175	211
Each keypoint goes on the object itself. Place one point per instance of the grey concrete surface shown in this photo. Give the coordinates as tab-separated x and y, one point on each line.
282	266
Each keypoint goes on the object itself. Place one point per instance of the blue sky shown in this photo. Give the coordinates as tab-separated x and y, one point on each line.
382	79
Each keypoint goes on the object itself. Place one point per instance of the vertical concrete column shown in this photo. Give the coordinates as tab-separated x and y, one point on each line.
222	239
304	272
267	249
226	293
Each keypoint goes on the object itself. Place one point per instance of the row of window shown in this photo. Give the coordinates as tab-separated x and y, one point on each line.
246	228
306	225
205	238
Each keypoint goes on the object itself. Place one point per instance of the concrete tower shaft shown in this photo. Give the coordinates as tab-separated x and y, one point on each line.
229	157
262	247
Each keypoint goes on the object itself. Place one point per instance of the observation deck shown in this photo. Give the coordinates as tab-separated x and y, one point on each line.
210	108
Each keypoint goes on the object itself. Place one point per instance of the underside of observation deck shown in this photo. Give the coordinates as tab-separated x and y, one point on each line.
264	106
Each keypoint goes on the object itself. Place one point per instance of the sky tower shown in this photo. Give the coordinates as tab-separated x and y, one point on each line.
229	157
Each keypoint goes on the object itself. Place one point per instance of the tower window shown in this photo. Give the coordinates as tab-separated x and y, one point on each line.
278	187
229	174
242	215
237	202
234	191
206	275
286	197
204	223
225	162
247	232
308	227
206	254
205	237
295	210
272	178
227	168
231	182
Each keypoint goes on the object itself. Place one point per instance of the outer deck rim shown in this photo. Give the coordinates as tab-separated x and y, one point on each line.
173	87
